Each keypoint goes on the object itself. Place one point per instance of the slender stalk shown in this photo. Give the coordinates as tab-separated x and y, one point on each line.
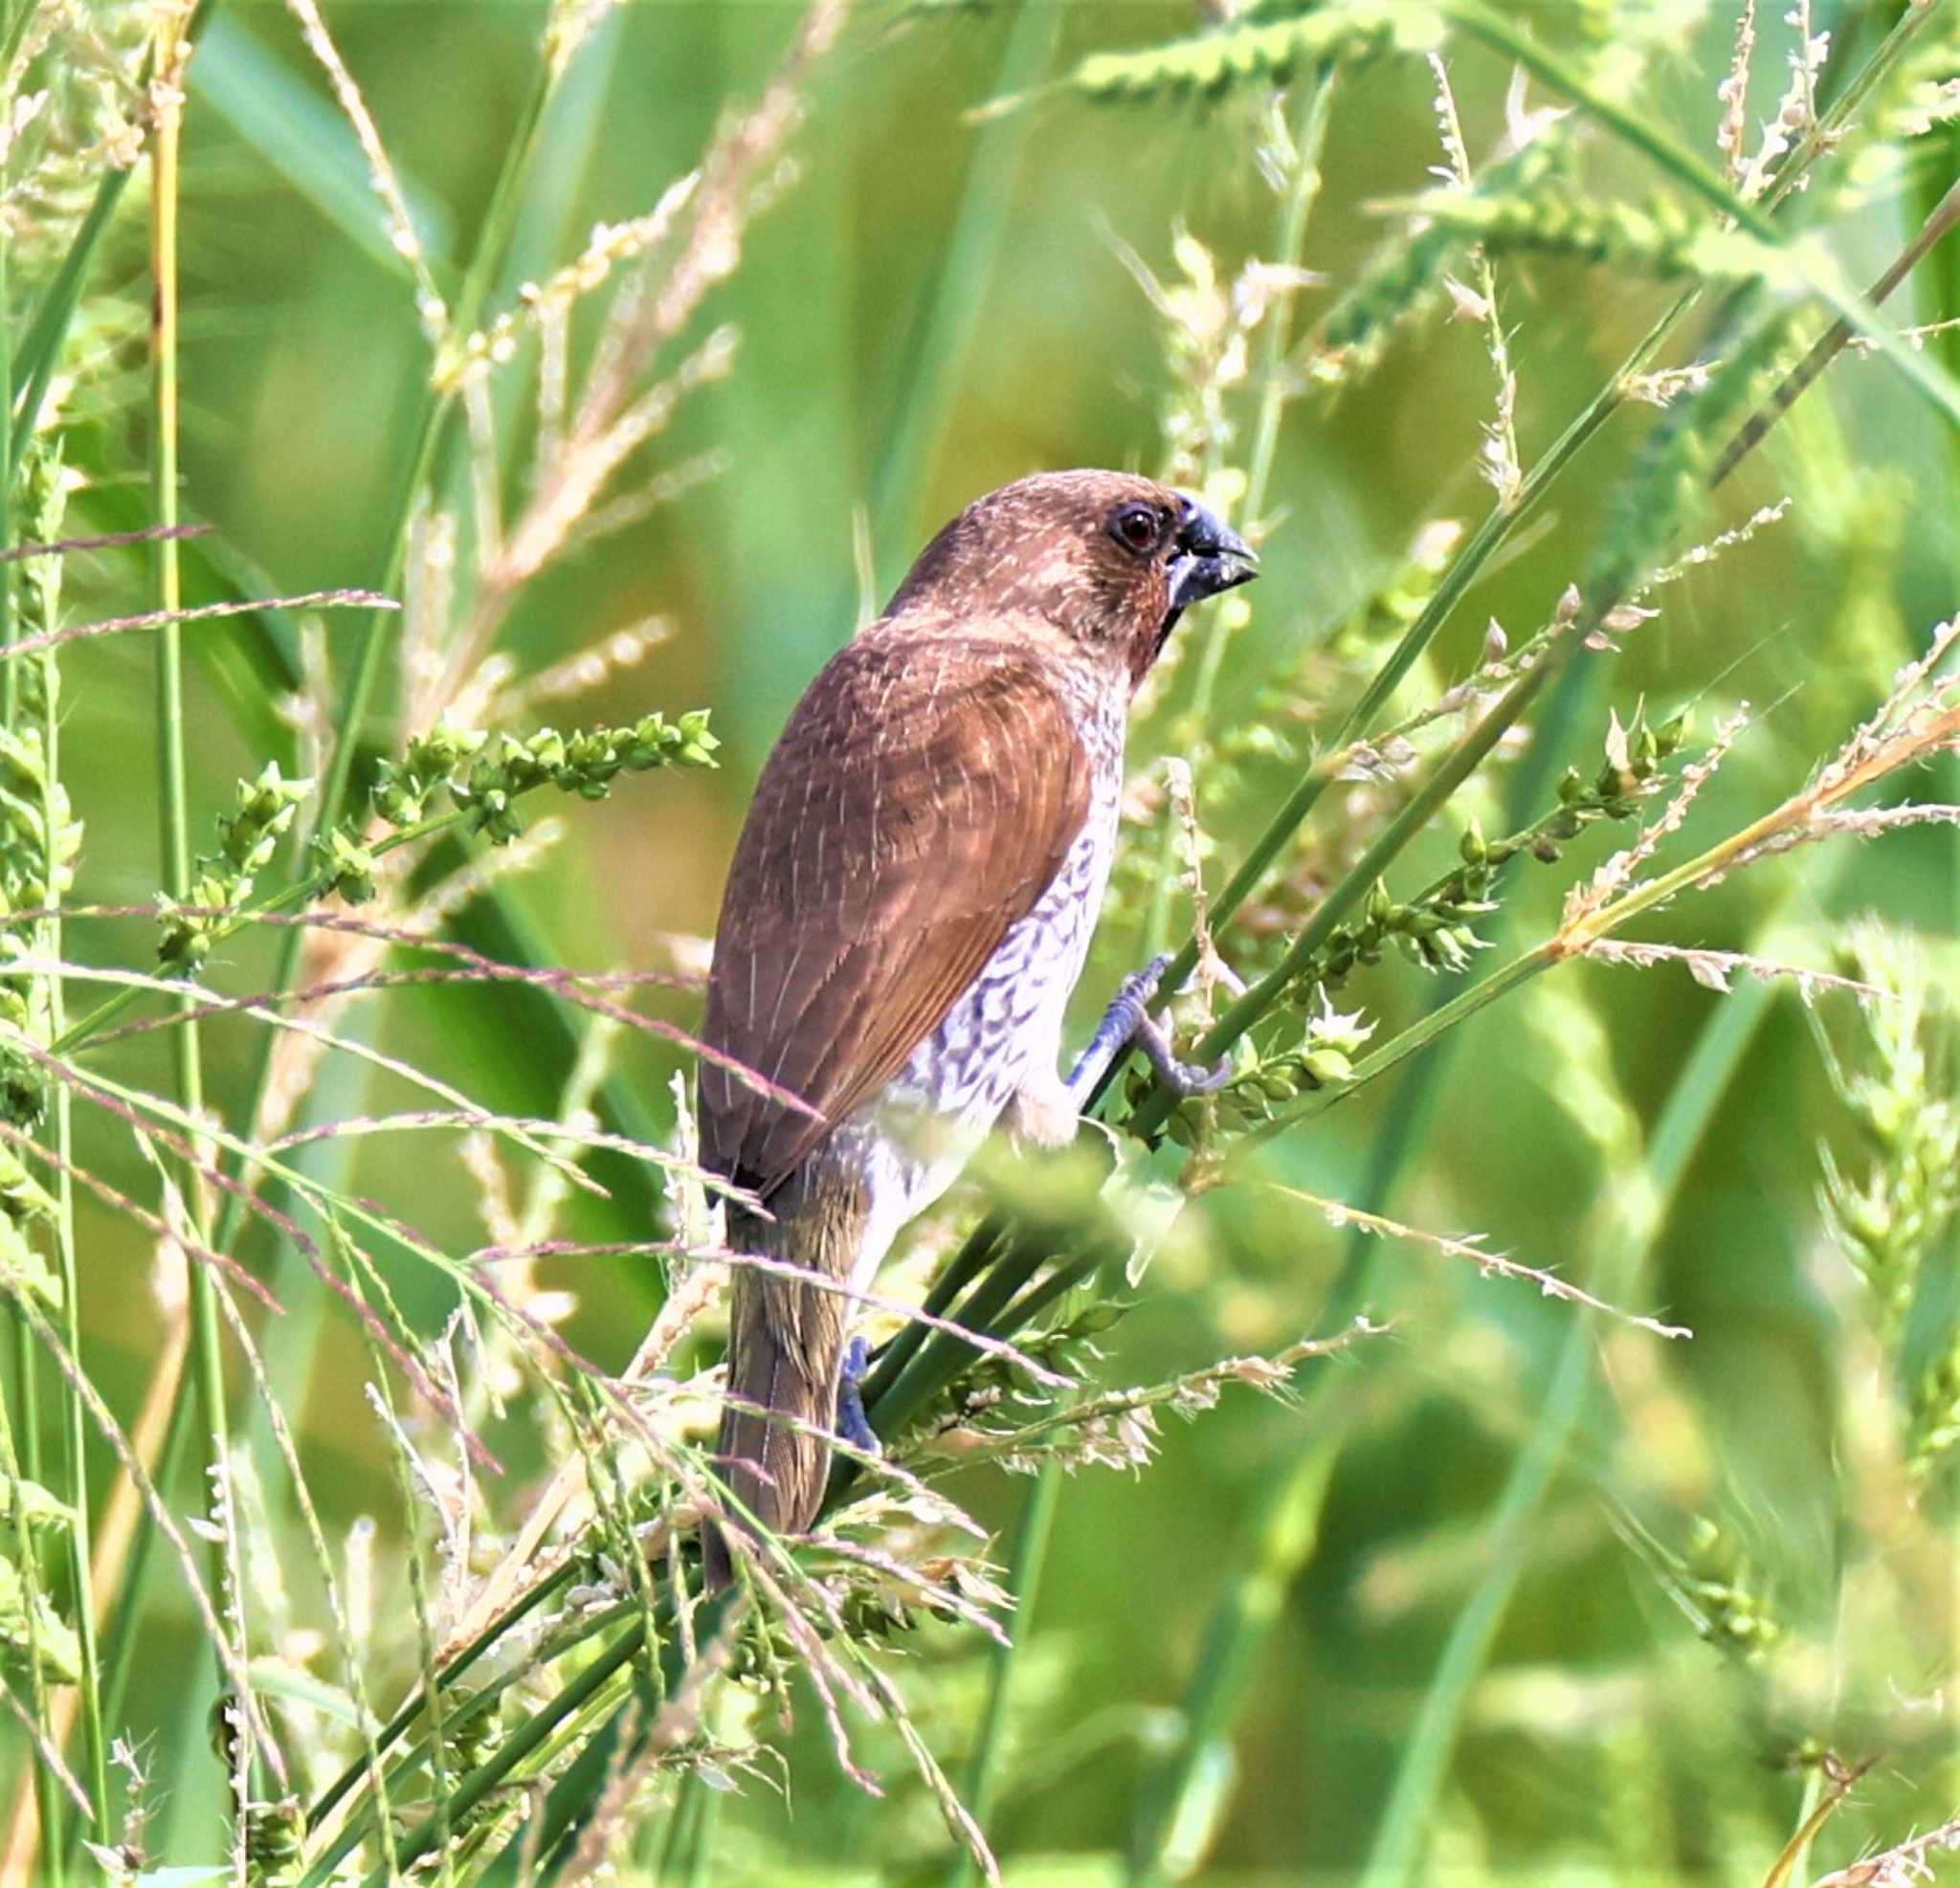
208	1361
1941	302
530	1739
959	300
1025	1562
50	1807
1192	736
26	1363
1940	221
47	333
95	1739
125	1626
1278	1541
50	1804
1302	194
1699	1088
9	680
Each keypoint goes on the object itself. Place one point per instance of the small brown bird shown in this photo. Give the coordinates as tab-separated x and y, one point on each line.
908	910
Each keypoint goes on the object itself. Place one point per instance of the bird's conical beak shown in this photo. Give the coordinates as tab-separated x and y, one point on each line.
1209	557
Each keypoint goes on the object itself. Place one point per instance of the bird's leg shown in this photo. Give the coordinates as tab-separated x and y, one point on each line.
1127	1021
851	1423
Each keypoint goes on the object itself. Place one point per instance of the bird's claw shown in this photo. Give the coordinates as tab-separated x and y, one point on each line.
1184	1079
1127	1022
851	1423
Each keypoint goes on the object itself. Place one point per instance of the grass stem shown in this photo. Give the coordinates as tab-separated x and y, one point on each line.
206	1380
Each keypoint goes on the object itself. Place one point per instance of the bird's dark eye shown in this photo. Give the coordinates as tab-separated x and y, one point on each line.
1136	527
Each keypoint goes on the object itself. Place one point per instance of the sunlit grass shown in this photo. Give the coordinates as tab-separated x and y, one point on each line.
364	1287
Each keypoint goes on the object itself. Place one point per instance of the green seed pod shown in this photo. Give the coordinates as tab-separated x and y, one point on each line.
275	1841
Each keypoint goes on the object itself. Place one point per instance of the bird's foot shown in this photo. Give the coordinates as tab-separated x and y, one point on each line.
1126	1022
1184	1080
851	1424
1127	1012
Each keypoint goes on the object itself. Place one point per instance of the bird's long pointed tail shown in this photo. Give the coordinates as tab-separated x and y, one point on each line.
786	1340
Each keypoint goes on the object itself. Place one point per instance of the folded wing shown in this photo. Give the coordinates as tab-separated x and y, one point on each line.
922	799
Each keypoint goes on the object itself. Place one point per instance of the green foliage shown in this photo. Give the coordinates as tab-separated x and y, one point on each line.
1899	1089
422	1545
1434	928
1406	278
1271	54
1656	238
261	814
1662	495
481	773
32	1629
1723	1592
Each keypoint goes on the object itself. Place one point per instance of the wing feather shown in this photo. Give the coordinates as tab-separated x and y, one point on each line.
920	800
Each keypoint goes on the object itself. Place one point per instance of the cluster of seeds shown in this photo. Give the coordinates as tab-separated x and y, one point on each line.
1434	928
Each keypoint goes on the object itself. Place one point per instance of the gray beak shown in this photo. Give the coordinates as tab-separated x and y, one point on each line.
1211	557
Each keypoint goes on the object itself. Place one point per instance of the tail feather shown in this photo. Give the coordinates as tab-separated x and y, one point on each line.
785	1341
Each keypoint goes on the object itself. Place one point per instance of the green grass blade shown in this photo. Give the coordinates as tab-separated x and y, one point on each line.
1691	1105
308	144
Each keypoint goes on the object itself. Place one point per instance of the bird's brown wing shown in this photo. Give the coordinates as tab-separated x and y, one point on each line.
923	798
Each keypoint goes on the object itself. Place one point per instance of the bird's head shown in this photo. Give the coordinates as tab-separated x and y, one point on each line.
1109	560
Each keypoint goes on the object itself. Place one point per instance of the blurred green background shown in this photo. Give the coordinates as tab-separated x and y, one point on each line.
935	305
